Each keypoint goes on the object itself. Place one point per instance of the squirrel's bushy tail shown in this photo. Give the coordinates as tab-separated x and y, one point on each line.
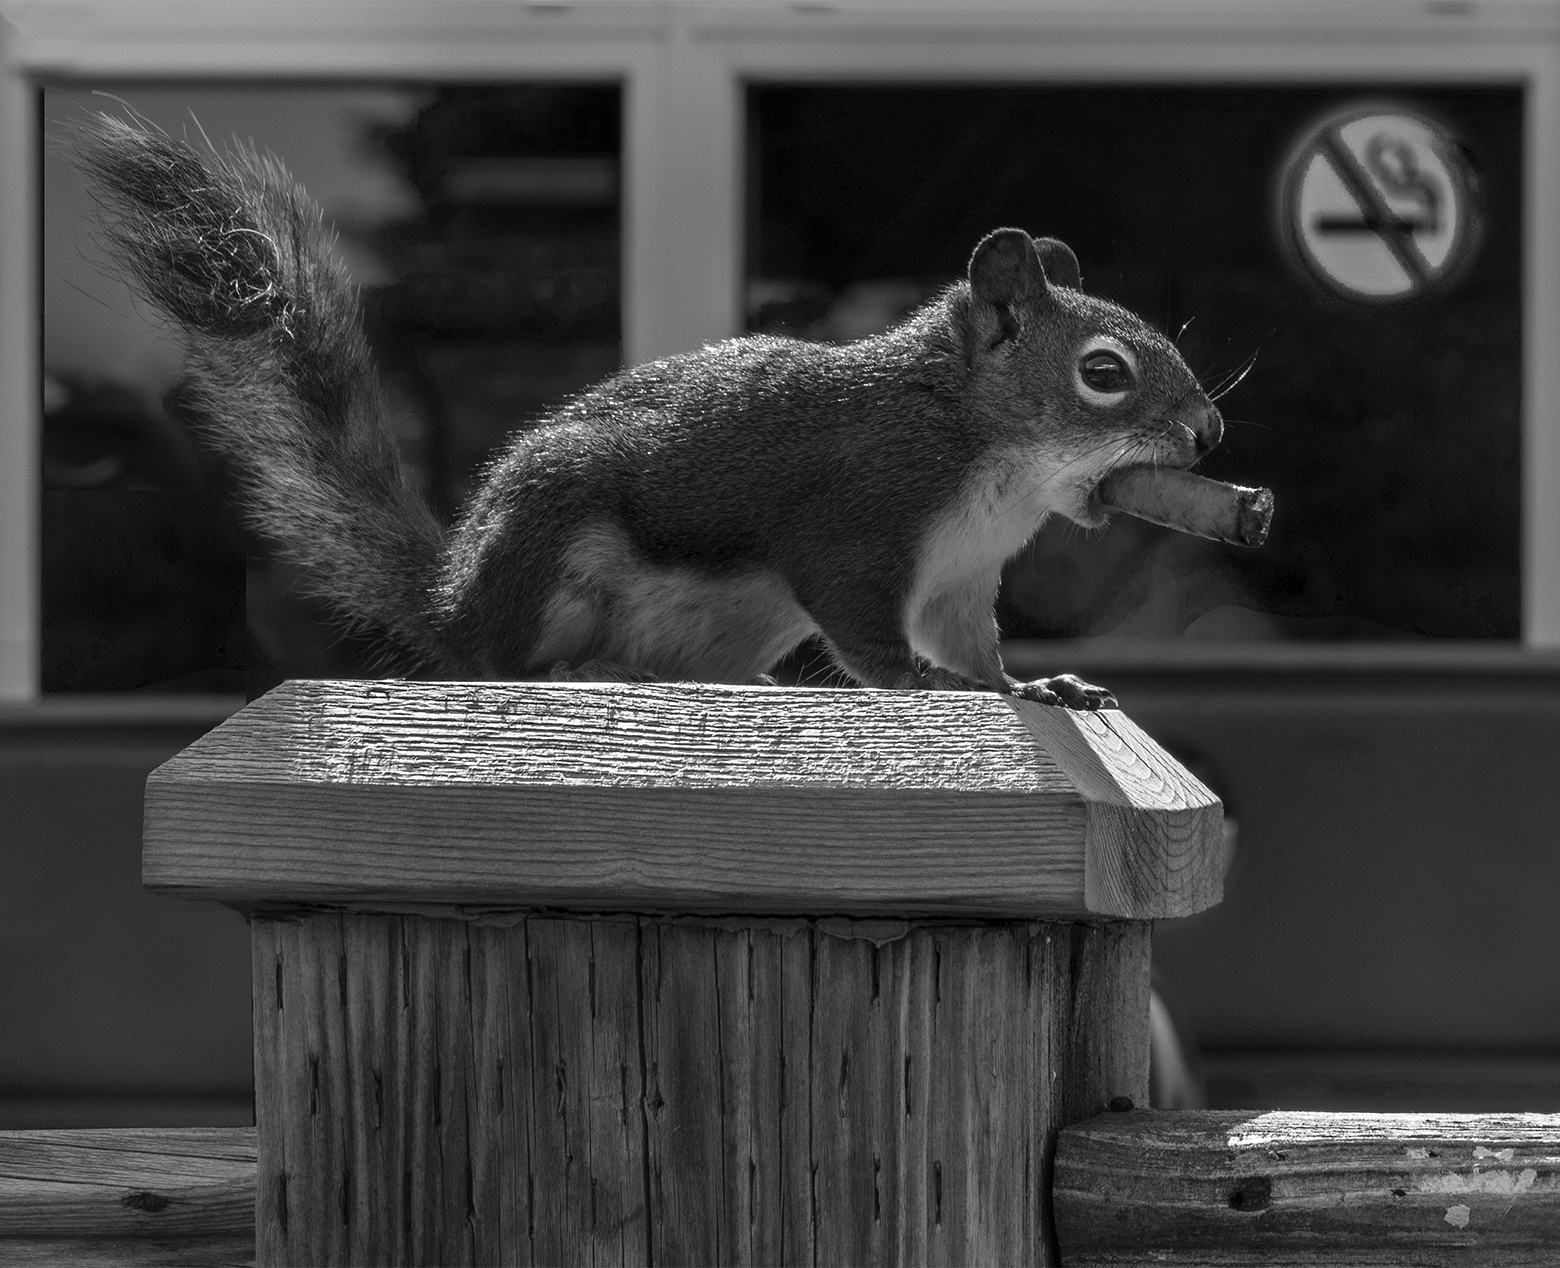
280	380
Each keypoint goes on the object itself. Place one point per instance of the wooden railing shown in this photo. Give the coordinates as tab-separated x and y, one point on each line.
564	973
1135	1187
127	1196
1234	1187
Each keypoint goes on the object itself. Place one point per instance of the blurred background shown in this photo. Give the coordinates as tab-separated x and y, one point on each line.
1357	691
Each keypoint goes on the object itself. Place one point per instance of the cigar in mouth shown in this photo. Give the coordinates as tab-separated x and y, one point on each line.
1191	503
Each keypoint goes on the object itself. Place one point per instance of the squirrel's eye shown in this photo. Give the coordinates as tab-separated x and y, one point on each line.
1105	372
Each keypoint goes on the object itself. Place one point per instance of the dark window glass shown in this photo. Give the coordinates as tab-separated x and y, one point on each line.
1390	434
482	222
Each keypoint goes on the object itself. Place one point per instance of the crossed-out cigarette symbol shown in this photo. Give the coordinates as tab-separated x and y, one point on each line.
1391	161
1378	204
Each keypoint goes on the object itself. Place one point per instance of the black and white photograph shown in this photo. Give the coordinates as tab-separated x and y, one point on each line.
770	632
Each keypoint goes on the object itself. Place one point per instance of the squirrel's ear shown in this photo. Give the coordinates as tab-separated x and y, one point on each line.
1005	268
1059	262
1006	277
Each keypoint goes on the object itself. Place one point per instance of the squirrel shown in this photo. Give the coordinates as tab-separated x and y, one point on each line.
696	517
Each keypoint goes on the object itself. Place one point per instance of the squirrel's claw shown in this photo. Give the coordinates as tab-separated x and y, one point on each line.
1067	691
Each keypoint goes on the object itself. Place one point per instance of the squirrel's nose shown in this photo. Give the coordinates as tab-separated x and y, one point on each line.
1207	427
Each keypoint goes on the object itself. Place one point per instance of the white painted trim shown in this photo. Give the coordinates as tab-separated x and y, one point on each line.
333	39
684	64
20	245
1541	358
683	151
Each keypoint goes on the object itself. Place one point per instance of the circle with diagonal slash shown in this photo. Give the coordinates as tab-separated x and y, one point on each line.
1380	205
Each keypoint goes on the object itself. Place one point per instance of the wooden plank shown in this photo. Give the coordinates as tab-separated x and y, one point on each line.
618	1201
371	968
438	1109
677	797
983	1013
128	1196
558	965
500	1146
139	1252
277	1000
727	1009
686	1116
303	1123
863	992
780	1011
586	1176
1235	1187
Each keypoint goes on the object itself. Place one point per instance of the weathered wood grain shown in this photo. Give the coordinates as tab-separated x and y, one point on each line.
1232	1187
1151	830
500	1148
586	1165
129	1195
605	796
552	1089
1096	1022
937	1166
133	1252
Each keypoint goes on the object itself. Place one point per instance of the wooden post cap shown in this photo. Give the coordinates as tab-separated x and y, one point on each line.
680	797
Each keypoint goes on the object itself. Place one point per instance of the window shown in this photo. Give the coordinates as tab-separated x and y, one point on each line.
1390	432
482	222
1422	413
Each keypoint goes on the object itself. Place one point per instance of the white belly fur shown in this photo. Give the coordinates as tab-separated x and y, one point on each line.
612	605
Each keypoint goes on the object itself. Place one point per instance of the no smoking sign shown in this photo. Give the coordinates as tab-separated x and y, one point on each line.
1379	205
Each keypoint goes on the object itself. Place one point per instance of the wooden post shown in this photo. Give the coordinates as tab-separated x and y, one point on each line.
568	973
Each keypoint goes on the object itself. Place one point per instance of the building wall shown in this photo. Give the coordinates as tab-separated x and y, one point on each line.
120	1007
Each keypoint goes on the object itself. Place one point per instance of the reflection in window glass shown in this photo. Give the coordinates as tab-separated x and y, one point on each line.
1390	432
482	223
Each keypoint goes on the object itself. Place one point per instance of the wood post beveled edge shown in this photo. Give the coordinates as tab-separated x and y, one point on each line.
1153	836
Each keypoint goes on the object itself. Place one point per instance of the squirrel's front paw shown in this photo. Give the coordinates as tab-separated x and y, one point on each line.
1066	690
